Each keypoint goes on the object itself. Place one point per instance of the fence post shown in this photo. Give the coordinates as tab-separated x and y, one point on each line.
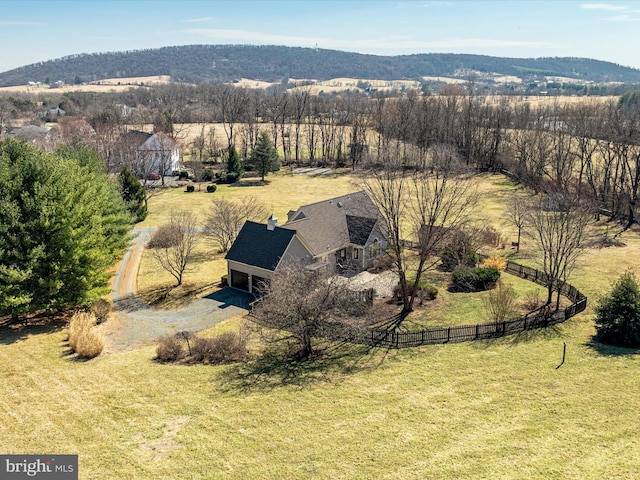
448	334
477	330
397	338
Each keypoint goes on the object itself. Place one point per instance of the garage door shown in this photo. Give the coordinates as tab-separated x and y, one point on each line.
240	280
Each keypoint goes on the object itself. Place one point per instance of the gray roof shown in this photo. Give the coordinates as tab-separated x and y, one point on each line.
30	133
359	229
331	224
259	247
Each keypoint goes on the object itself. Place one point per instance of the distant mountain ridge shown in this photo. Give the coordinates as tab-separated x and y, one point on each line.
222	63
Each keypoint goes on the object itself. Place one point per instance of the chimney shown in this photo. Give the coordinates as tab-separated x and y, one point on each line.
272	223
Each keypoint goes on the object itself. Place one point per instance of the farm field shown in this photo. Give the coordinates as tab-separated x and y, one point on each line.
490	409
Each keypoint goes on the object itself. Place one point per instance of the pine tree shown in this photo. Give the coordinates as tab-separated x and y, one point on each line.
63	224
133	194
618	314
264	157
234	165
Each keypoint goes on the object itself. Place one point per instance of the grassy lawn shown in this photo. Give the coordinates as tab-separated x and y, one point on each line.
282	192
451	308
477	410
490	409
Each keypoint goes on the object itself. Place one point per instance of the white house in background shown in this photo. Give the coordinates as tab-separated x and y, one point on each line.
160	154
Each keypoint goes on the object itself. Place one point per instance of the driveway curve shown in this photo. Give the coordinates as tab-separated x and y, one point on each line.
135	324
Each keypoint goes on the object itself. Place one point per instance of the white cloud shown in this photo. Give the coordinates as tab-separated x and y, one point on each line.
438	4
625	17
433	3
199	20
9	23
603	6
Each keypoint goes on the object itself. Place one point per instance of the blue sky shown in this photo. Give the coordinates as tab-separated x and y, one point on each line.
32	31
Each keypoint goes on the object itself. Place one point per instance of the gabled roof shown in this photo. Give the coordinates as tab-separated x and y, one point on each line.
30	133
331	224
132	139
259	247
359	229
160	141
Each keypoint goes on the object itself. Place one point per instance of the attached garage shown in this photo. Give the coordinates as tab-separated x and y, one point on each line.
256	253
239	280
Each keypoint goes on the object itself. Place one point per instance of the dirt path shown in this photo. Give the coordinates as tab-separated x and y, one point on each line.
134	324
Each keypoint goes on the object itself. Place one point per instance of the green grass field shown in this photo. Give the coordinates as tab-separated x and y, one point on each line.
490	409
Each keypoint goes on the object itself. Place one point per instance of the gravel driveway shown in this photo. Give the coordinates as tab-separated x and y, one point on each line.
135	324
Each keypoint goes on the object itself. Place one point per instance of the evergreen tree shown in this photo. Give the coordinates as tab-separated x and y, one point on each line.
618	314
133	194
264	157
234	165
63	224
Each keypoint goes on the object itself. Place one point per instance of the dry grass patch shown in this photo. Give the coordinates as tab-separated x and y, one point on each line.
83	339
223	348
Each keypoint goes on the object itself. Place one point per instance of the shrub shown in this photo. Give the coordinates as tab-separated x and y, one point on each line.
207	175
532	300
464	280
490	236
183	175
190	188
170	349
225	348
212	188
459	252
474	279
82	339
101	309
224	280
381	264
501	303
430	292
618	314
227	177
425	291
495	261
487	276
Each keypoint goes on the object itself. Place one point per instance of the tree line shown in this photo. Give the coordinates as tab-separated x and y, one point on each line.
589	146
223	63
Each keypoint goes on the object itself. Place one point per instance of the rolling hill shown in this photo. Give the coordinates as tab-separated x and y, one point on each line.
221	63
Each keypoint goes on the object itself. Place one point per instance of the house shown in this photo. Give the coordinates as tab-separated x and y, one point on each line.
161	154
31	134
145	154
259	250
339	234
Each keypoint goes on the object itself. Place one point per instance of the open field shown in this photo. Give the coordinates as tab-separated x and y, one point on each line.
491	409
101	86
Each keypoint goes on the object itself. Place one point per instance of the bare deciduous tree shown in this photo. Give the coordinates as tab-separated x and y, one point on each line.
517	211
431	204
172	245
299	305
559	229
225	219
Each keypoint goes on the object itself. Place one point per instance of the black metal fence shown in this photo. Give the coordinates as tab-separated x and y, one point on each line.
542	317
